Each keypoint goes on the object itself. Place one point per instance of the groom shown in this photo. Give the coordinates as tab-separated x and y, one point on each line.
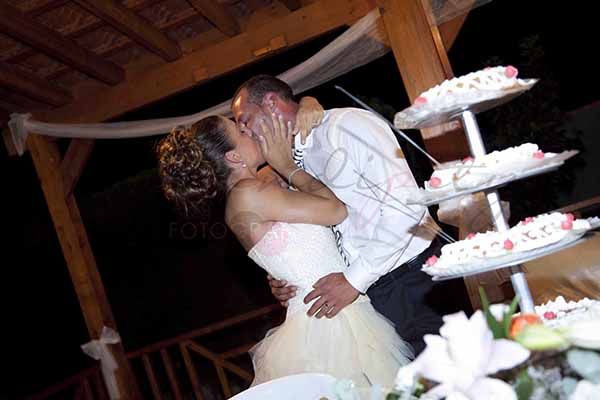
383	242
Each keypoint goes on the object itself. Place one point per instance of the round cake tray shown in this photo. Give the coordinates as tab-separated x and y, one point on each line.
438	112
516	259
427	198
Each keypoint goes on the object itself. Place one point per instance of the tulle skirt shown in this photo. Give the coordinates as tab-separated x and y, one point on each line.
357	344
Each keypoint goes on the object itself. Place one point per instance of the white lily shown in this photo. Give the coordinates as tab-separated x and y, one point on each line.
585	390
462	356
585	334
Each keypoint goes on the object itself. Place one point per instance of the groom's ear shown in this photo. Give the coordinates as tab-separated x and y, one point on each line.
270	101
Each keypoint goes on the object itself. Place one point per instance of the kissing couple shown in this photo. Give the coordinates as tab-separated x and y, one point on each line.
342	253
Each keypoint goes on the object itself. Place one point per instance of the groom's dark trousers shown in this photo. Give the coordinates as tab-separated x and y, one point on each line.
411	300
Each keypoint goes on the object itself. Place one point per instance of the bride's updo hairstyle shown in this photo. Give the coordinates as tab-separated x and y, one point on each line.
192	163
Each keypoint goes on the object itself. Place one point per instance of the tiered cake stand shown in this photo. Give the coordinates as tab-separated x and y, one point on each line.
417	117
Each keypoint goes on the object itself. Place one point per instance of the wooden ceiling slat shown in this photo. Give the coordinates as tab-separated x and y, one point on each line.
17	25
134	27
134	5
9	107
218	15
292	5
45	7
32	86
165	80
20	102
120	45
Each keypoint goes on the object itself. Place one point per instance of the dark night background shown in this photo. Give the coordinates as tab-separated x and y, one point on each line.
164	276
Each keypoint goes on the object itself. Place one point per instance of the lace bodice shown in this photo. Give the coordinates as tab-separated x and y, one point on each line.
299	254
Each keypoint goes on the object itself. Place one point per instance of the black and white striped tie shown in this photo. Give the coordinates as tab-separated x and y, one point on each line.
298	157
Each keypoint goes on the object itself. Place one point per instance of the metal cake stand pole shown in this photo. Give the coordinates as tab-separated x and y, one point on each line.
517	278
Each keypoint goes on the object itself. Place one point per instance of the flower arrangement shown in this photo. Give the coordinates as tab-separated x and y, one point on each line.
499	355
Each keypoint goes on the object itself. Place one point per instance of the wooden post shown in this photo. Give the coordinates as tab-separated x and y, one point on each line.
78	254
423	63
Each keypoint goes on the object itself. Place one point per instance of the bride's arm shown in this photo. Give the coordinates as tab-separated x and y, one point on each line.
313	202
309	115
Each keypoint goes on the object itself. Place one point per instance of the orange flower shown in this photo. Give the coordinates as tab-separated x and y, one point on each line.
520	321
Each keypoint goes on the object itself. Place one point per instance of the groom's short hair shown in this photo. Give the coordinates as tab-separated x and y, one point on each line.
258	86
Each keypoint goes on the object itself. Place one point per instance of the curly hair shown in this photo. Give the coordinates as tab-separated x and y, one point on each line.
192	163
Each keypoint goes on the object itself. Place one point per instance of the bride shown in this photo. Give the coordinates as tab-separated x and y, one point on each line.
284	226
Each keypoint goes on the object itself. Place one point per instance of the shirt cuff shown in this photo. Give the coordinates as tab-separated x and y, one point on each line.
358	276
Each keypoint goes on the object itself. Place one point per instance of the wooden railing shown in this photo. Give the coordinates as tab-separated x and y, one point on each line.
160	377
87	384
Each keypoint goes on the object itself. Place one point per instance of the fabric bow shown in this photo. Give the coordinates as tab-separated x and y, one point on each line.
98	350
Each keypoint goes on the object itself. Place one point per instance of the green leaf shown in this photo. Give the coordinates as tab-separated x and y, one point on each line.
508	316
524	385
540	337
493	324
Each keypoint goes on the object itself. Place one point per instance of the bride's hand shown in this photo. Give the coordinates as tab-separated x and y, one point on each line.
309	115
276	145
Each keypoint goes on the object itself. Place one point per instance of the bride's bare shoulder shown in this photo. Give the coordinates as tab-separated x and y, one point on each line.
250	192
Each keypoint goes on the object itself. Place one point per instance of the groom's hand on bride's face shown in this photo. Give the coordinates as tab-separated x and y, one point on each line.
332	292
281	290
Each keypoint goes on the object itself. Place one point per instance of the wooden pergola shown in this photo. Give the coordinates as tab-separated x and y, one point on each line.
84	61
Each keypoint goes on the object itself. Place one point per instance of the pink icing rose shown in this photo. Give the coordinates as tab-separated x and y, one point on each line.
431	260
539	155
420	100
567	225
511	72
508	244
570	217
527	220
435	182
470	236
549	315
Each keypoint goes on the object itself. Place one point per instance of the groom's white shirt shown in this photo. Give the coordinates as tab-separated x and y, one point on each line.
357	156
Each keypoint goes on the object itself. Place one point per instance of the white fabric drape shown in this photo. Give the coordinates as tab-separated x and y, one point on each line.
98	350
362	43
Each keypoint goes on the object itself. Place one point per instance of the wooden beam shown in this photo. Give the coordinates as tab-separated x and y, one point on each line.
417	54
165	80
449	30
37	8
292	5
78	254
85	27
32	86
422	60
8	107
218	15
24	29
133	26
74	161
177	20
22	102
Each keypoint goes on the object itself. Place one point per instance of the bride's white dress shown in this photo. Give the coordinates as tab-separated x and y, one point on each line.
358	343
